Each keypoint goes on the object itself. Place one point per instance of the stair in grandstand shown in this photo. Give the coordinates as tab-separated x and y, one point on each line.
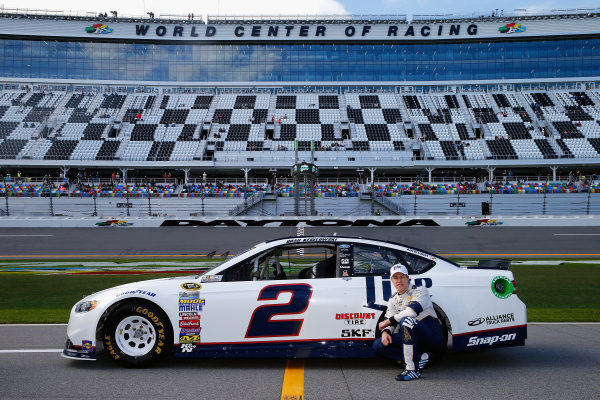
545	148
595	142
567	153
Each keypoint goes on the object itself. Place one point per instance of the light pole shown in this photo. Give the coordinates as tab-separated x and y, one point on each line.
6	197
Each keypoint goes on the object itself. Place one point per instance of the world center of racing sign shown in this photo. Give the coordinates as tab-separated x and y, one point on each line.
299	31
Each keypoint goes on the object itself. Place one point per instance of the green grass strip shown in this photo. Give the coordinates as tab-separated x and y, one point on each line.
567	293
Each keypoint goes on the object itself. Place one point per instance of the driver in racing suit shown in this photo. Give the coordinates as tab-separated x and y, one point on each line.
411	327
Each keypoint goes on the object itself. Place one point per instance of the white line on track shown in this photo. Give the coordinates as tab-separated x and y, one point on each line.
577	234
24	235
31	351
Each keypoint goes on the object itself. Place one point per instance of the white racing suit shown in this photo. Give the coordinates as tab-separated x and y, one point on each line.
414	326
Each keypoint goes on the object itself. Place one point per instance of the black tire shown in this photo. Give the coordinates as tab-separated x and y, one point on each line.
137	334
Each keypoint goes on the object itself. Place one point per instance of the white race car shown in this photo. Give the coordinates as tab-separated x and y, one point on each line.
293	297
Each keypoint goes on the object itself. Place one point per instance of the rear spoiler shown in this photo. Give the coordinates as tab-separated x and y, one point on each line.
497	263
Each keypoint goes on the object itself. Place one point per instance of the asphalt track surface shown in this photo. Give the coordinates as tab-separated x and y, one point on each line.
190	241
559	361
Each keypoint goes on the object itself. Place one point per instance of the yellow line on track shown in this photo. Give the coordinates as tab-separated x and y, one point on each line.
293	381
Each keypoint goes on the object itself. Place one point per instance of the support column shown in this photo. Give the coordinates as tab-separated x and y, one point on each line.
491	173
429	171
124	174
372	189
65	169
186	175
554	168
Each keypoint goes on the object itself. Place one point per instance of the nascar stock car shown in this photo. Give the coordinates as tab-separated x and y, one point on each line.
294	297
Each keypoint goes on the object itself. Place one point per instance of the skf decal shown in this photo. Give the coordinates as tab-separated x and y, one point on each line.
360	333
191	286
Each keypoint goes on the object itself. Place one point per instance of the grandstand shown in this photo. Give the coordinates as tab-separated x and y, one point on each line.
229	96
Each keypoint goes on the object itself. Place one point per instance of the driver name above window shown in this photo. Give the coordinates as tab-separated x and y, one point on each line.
312	239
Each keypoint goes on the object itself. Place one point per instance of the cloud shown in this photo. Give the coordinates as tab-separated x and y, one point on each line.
184	7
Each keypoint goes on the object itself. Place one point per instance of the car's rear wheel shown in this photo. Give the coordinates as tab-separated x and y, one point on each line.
137	334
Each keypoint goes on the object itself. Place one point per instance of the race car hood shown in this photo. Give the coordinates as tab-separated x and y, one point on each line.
148	287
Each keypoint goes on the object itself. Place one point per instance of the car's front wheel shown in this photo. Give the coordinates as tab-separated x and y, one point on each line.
137	334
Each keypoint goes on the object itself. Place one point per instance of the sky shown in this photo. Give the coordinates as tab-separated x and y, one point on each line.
302	7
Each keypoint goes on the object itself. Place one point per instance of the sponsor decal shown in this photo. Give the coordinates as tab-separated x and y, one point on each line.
345	273
355	322
189	338
190	323
114	222
212	278
190	331
344	246
191	286
420	253
98	28
190	307
191	301
187	347
300	222
493	319
189	295
513	27
355	316
490	340
86	345
151	294
484	222
188	314
351	333
476	321
502	287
